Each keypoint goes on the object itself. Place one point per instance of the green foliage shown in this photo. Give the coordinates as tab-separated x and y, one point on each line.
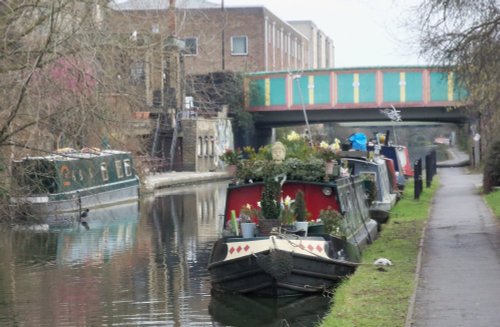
311	169
491	173
270	200
493	200
332	220
300	206
297	146
231	157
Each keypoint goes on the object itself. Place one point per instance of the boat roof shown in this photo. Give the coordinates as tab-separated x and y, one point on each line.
71	154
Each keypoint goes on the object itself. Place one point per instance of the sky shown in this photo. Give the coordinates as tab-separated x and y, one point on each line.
364	32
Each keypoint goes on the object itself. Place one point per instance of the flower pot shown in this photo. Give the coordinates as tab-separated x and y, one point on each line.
231	170
301	226
248	230
267	225
332	168
329	167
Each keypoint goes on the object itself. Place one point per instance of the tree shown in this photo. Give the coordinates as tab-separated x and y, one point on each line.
55	79
463	35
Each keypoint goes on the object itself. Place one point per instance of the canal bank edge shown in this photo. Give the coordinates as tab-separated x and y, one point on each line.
172	179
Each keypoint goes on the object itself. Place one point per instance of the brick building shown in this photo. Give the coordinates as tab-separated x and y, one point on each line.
244	39
211	39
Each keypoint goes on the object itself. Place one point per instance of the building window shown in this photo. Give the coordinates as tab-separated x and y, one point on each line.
239	45
191	46
137	73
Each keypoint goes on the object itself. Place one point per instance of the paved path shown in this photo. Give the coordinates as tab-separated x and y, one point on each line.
459	280
457	159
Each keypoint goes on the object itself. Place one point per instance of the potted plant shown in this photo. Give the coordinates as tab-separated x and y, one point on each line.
231	158
248	219
270	205
329	153
287	216
300	212
332	221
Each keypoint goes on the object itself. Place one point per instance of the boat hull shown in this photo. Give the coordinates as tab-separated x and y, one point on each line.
67	210
277	271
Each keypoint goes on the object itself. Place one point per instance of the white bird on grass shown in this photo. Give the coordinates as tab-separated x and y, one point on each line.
382	262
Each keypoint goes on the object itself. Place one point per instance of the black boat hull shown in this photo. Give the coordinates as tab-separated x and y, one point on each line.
277	272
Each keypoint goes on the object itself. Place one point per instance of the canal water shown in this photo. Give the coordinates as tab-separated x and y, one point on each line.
136	265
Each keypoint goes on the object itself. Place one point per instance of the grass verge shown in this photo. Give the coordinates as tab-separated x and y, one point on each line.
375	297
493	200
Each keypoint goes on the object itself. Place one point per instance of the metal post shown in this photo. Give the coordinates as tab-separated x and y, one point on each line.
308	130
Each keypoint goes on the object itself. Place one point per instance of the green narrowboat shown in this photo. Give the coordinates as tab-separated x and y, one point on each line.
56	189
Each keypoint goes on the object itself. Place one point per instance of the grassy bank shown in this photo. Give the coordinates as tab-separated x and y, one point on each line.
493	200
375	297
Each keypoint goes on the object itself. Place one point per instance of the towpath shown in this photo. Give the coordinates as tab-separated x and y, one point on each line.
459	271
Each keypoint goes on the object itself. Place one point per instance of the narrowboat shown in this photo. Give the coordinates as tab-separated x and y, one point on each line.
401	159
287	263
375	173
56	189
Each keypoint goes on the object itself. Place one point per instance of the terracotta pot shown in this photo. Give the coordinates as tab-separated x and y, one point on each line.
231	170
266	226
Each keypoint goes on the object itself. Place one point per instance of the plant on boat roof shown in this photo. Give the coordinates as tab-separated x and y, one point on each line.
231	157
311	169
300	206
328	152
287	215
332	220
269	202
250	214
297	146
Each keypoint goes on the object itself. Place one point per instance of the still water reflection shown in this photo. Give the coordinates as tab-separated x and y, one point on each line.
133	267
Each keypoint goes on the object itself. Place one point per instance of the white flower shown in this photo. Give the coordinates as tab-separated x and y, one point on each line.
323	145
293	136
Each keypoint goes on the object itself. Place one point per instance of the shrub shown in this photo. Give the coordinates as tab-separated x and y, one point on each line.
491	172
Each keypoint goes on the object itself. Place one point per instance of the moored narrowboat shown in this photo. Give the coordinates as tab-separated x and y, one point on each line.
56	189
287	263
376	173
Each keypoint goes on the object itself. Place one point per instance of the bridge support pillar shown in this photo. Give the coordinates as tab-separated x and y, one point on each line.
263	136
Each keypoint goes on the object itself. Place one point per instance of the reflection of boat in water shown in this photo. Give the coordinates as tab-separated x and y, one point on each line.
55	189
110	231
245	311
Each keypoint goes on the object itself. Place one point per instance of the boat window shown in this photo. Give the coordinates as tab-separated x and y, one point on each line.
104	172
119	168
128	167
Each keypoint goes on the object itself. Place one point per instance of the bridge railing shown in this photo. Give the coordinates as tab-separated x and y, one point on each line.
345	88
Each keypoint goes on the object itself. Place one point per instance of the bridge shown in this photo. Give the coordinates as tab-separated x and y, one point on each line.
354	94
